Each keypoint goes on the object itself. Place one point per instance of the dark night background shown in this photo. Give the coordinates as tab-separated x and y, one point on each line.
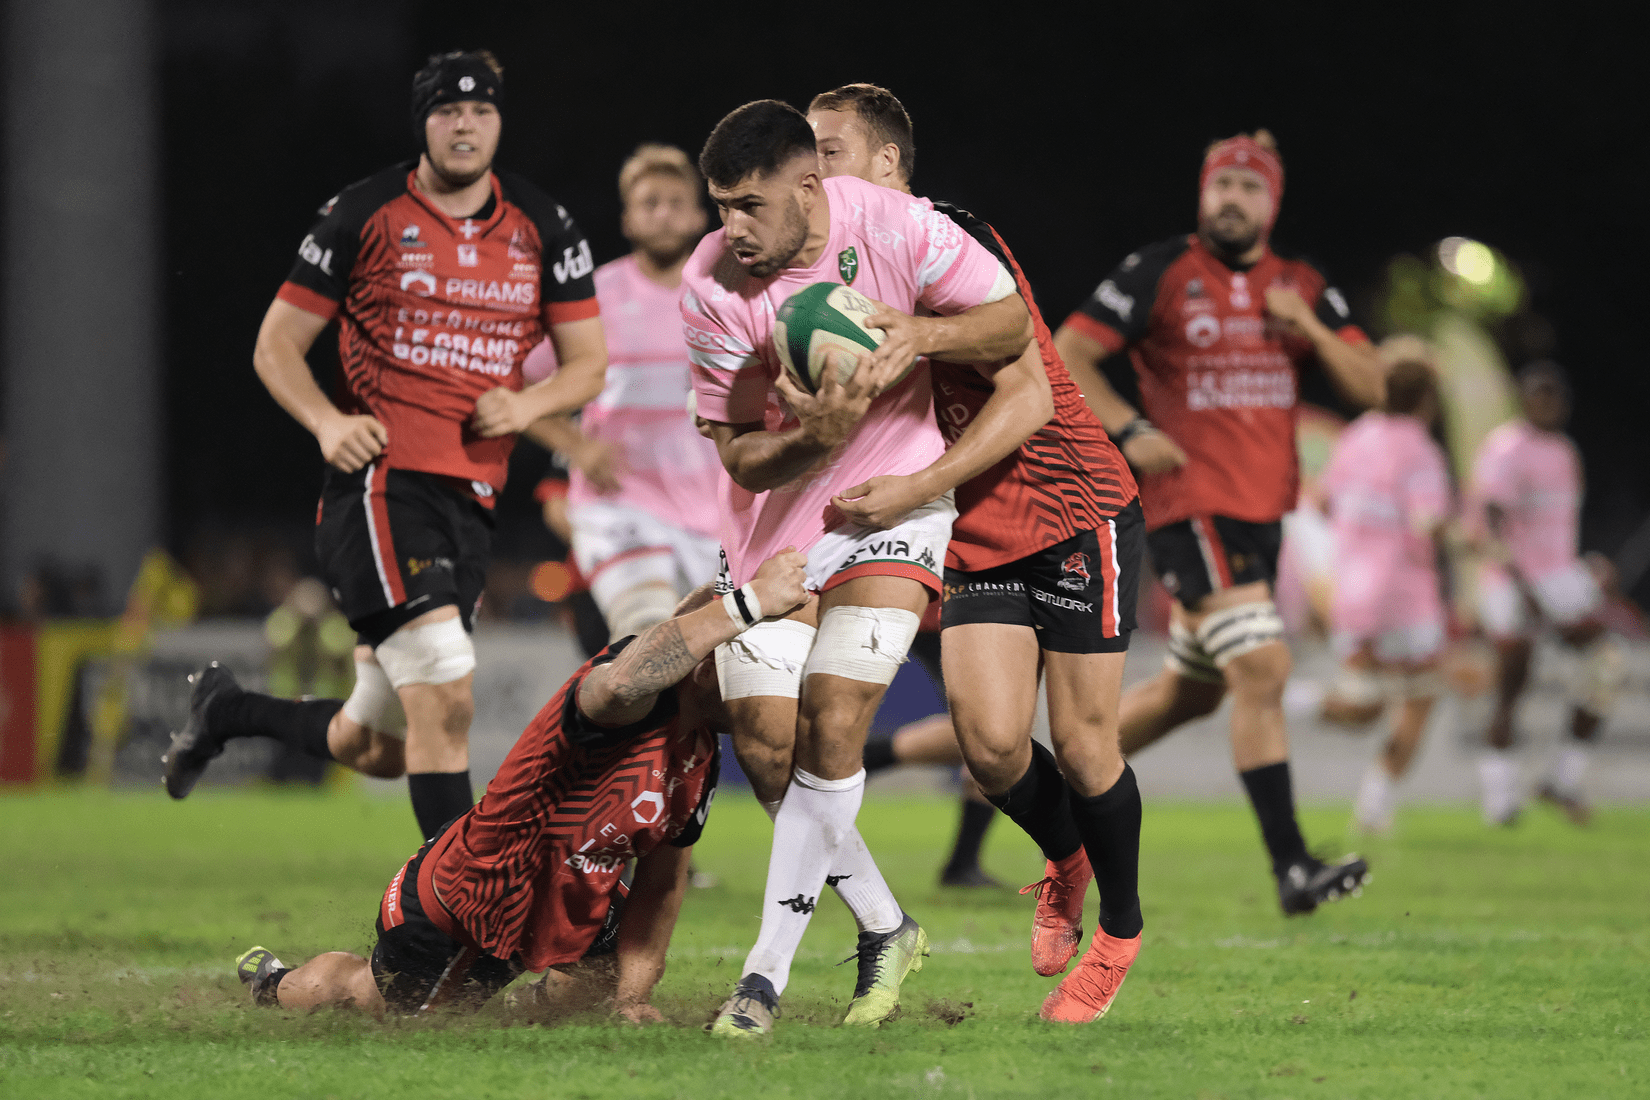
1078	136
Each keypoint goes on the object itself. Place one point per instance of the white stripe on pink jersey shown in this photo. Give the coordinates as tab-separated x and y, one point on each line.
907	256
667	468
1534	477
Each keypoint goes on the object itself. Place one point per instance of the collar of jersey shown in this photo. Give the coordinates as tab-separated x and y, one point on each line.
1243	269
454	225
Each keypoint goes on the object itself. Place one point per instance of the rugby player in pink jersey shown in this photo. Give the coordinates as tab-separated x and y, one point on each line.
641	476
787	452
1525	508
1388	495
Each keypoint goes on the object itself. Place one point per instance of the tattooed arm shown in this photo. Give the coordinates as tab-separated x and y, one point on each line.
624	690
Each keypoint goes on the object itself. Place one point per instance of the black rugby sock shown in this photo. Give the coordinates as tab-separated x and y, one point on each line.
1273	796
879	754
438	797
1110	826
1040	803
976	819
299	723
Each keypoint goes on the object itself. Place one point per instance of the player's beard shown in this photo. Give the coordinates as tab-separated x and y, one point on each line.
1231	236
457	181
795	235
668	249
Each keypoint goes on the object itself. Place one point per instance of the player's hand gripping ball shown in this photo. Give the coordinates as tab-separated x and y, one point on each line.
818	320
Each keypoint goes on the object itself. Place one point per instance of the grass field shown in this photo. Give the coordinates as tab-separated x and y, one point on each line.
1477	964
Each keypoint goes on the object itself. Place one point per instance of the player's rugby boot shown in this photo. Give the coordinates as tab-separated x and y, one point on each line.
195	746
255	968
1085	994
750	1012
973	877
1572	806
1303	886
1057	927
885	959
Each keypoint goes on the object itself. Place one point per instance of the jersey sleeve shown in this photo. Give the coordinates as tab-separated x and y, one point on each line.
695	826
569	287
319	278
1331	309
730	384
954	272
1119	311
1427	499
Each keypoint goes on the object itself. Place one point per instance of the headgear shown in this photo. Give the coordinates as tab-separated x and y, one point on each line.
1244	151
450	78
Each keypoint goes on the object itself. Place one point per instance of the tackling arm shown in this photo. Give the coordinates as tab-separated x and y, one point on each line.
284	339
1020	403
645	929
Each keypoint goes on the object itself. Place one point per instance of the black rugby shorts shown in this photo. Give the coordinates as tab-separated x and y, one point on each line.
394	544
1078	595
1205	554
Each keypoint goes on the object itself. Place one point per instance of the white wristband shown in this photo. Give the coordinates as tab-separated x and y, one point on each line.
743	607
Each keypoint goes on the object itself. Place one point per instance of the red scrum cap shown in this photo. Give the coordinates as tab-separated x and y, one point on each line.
1244	151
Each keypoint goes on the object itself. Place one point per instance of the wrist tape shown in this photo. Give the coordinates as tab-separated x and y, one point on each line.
743	607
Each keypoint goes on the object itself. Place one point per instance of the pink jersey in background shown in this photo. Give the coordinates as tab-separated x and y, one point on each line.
666	468
1534	477
891	247
1387	488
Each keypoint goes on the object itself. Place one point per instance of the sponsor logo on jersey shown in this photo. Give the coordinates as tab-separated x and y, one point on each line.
647	807
469	228
313	253
847	262
575	263
926	559
1203	330
1130	261
517	247
1336	302
1115	300
468	256
1239	294
410	237
419	282
481	489
417	259
491	290
326	207
1074	572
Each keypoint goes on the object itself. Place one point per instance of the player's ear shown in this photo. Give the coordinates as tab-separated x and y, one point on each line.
890	157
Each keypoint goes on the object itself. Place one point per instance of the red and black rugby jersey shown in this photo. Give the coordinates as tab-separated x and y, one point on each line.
1066	478
434	311
1215	373
530	871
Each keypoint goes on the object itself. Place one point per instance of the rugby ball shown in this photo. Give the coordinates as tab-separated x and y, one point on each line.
818	320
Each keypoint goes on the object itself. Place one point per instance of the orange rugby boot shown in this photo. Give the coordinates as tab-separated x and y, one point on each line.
1057	927
1088	991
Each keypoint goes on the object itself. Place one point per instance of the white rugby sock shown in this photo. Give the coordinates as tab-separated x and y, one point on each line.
858	881
808	831
1374	805
1570	769
1498	771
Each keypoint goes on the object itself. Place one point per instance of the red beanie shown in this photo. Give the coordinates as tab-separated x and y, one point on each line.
1244	151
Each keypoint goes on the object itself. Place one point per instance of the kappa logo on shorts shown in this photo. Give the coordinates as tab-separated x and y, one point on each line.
1074	572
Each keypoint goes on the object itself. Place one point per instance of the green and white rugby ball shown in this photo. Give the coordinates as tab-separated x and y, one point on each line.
818	320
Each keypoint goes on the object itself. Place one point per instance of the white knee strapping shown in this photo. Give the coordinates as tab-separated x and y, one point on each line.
1229	633
435	653
1428	684
863	643
639	607
373	702
1360	687
1186	657
1597	677
767	659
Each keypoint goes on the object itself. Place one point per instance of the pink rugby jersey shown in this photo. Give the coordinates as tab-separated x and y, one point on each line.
888	246
665	468
1388	487
1534	477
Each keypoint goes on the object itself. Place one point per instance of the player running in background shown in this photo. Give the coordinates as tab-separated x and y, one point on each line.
620	764
1041	576
642	477
1388	496
443	276
1218	326
1525	508
788	453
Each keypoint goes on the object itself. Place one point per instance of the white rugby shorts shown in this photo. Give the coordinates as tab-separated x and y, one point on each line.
618	546
1405	645
1565	596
